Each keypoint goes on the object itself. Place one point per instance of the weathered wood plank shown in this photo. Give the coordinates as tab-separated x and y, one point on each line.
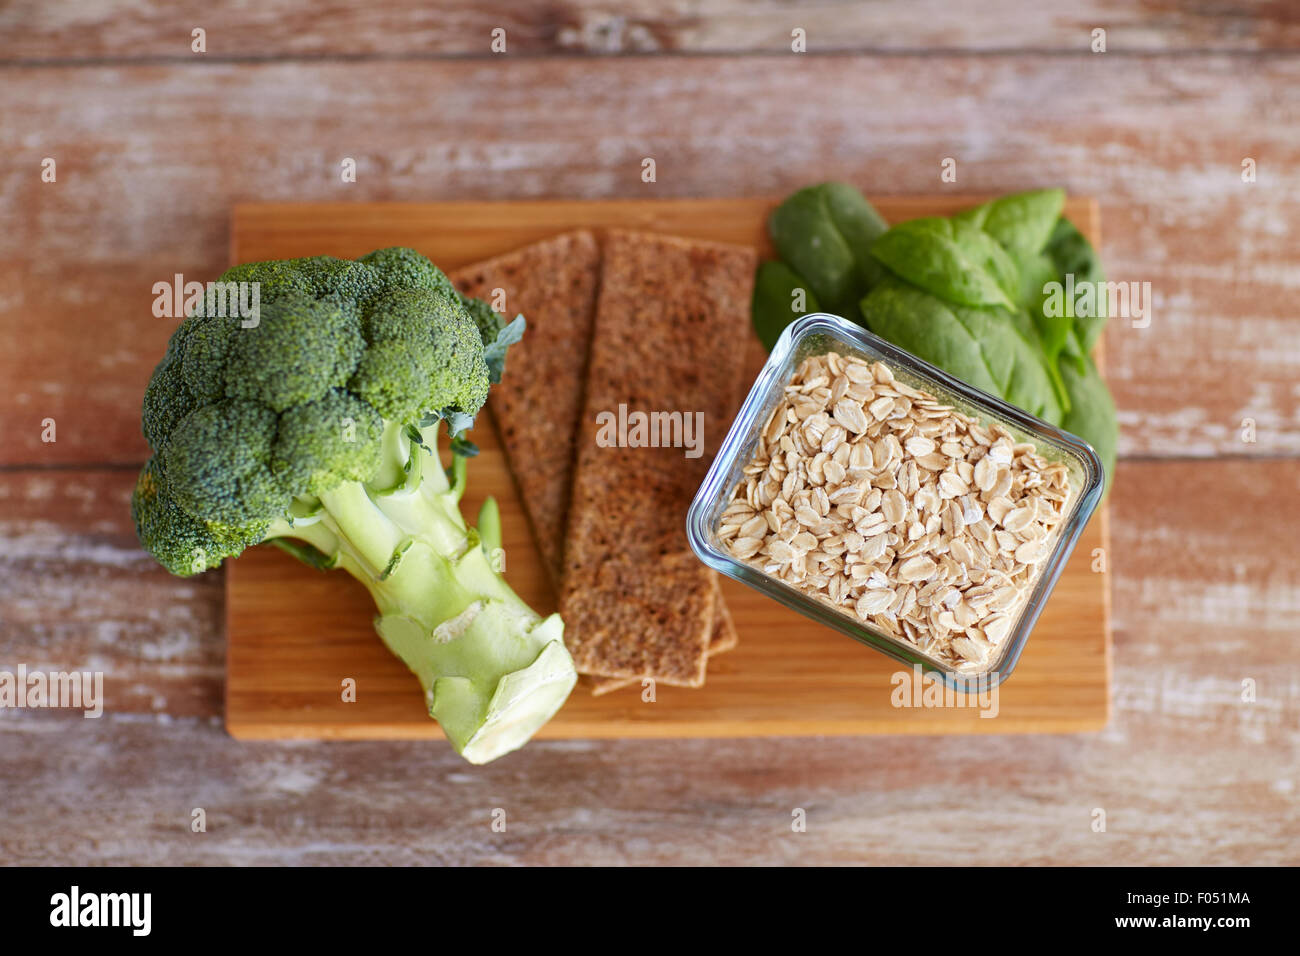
1198	593
73	30
78	593
1205	595
124	789
150	159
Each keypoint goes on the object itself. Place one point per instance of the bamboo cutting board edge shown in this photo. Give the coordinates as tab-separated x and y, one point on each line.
256	710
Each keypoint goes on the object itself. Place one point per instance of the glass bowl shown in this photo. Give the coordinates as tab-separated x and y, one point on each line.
821	333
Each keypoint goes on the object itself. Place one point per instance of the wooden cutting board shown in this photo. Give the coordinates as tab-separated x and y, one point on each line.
295	635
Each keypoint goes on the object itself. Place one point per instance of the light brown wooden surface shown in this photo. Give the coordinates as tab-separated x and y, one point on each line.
78	31
1186	771
286	660
153	149
151	158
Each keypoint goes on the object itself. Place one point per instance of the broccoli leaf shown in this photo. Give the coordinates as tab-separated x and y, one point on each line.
495	352
462	446
458	421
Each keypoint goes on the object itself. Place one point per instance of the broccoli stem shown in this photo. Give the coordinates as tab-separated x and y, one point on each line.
492	669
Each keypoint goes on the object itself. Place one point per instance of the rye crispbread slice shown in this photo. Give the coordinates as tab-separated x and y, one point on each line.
554	283
636	601
537	403
724	638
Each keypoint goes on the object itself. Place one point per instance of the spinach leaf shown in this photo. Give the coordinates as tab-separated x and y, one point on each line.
1027	324
955	261
775	302
972	294
825	233
1021	222
985	347
1072	255
1092	412
1053	332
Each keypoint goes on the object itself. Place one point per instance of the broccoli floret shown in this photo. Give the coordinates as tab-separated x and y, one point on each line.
181	543
424	356
402	268
485	317
207	349
314	424
315	277
321	444
218	464
166	400
299	350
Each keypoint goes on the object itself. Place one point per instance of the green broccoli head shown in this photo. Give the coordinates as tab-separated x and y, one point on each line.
315	277
218	464
180	542
401	268
244	416
299	350
423	354
325	442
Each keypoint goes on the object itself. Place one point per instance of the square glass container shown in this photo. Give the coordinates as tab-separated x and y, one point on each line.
821	333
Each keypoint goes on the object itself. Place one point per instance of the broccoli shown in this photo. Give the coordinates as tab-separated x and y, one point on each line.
315	428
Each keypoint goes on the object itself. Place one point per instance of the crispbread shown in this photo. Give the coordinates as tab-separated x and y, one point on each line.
723	638
636	601
537	403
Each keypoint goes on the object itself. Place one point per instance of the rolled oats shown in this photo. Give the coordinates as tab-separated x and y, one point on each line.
880	500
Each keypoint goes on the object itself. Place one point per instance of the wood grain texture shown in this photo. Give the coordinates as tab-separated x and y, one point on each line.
151	158
286	660
126	794
73	30
1187	772
77	592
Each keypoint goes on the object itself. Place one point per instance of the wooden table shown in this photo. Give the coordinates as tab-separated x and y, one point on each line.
152	145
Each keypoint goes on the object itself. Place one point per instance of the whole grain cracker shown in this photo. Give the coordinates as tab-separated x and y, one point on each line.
723	638
554	284
636	601
536	405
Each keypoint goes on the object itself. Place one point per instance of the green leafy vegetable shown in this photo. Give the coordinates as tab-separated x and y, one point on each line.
1021	222
1072	255
1092	412
984	295
1036	271
825	233
953	260
777	291
984	347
